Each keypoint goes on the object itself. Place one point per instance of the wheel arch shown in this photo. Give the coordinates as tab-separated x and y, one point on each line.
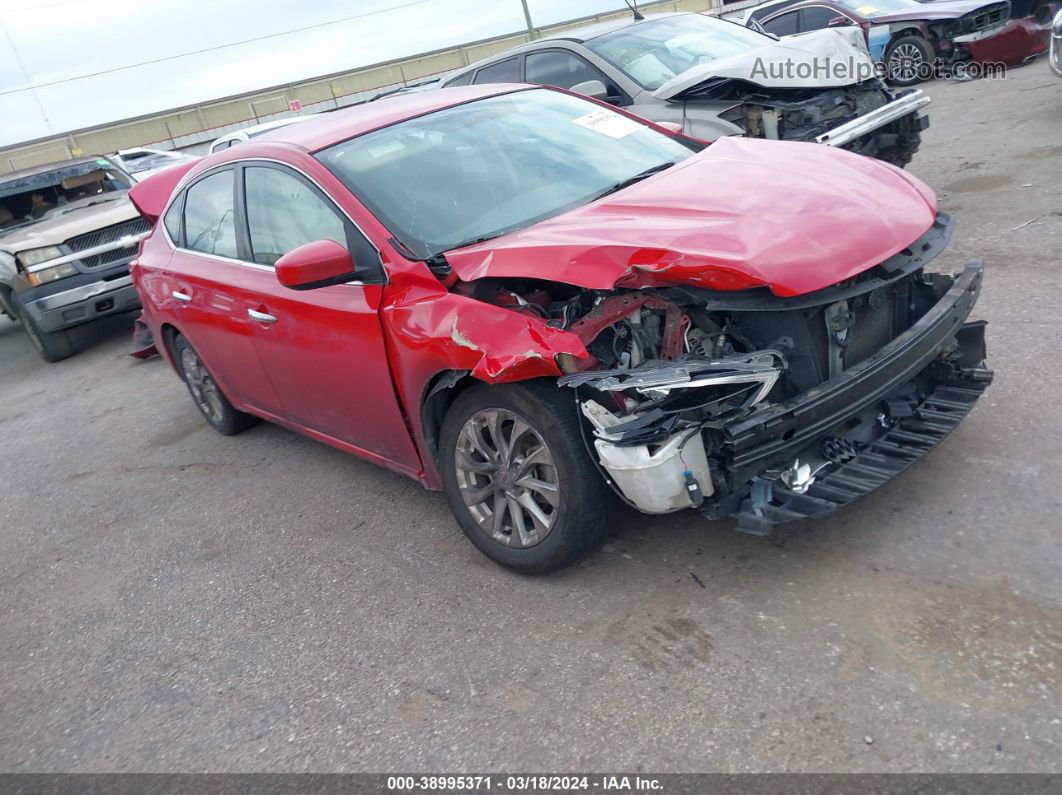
169	333
910	29
438	395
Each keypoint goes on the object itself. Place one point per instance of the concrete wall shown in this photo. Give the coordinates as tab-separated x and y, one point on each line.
193	128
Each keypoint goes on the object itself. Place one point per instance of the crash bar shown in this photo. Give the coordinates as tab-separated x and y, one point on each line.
856	128
126	241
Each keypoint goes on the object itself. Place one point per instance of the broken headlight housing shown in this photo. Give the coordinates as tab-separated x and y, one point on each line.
37	278
35	256
41	256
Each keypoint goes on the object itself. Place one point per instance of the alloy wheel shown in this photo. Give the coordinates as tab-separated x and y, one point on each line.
201	384
905	62
507	477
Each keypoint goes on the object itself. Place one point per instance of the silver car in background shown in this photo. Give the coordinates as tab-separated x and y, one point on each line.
711	78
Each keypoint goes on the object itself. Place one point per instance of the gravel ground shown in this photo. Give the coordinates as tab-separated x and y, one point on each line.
173	600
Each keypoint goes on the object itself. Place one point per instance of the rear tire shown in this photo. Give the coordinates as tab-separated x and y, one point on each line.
533	502
53	346
909	60
206	394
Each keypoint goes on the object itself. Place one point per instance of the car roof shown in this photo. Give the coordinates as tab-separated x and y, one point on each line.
576	35
269	125
339	125
31	170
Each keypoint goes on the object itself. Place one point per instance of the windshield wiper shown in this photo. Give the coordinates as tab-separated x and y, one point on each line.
635	179
437	262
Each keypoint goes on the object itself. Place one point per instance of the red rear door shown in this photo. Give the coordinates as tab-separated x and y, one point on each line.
209	291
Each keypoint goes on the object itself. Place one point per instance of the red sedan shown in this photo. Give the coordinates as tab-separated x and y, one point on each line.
540	303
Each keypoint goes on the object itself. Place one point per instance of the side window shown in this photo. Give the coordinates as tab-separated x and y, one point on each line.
209	216
501	72
816	18
774	8
172	220
557	68
283	213
463	80
784	25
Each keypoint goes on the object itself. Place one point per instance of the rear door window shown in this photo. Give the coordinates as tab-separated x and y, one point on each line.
210	216
559	68
784	25
816	18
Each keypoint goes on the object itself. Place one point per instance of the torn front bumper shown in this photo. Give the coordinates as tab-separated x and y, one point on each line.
913	392
911	102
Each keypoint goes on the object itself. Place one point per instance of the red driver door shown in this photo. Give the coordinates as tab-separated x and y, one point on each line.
323	349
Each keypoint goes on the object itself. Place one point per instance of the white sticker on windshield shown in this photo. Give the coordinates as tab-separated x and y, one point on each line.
608	123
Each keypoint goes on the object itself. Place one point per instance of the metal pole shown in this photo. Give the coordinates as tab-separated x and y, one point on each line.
26	76
531	32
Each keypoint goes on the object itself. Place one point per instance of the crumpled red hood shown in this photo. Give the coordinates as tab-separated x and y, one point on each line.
743	213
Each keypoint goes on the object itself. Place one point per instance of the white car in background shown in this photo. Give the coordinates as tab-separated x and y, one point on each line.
247	133
142	163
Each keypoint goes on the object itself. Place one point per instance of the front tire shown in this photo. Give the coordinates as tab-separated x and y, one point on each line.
205	392
519	479
908	60
53	346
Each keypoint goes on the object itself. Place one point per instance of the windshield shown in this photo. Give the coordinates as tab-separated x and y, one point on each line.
868	9
653	52
28	199
487	167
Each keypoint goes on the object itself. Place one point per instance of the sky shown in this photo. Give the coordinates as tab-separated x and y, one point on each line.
48	43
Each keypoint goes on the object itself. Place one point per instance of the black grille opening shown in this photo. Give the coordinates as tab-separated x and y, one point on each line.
107	235
990	18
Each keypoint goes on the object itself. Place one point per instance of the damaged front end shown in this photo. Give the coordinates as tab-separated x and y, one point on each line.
864	118
769	408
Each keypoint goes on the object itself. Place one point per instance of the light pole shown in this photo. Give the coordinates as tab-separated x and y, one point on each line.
531	32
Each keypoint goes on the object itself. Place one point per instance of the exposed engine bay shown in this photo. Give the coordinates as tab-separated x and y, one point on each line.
804	114
688	392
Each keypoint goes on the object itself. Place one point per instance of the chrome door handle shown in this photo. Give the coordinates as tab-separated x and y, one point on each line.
183	297
261	317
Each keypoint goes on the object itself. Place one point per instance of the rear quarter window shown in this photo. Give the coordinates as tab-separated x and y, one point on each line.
172	220
501	72
463	80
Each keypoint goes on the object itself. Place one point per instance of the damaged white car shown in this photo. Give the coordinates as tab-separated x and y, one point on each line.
710	78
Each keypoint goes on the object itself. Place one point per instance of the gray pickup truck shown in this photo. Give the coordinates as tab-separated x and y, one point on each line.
67	234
